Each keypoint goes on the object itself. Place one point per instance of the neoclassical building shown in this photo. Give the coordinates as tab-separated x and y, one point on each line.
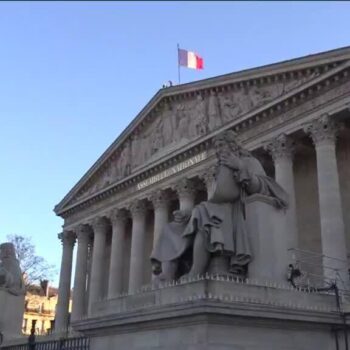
293	116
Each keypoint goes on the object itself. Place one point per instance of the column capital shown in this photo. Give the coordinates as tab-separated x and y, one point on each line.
281	147
138	207
67	238
83	233
117	215
99	224
160	199
208	176
323	130
185	188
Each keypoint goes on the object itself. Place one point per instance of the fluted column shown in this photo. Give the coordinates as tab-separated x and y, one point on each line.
80	277
62	310
186	191
100	226
115	283
323	132
160	201
282	152
137	257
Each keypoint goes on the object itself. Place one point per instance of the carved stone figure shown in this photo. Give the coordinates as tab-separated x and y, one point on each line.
181	131
230	109
217	227
259	96
136	147
157	140
124	161
169	124
198	119
10	272
214	115
12	293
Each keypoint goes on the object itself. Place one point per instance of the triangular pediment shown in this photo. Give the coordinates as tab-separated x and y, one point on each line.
181	114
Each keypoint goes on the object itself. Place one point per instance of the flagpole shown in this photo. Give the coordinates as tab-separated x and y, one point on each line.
178	63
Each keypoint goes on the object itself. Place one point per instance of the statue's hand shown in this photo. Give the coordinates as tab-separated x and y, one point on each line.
231	161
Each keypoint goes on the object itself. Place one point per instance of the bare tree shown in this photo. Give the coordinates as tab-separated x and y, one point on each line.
34	268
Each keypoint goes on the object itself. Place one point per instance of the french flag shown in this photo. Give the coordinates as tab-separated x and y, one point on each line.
190	59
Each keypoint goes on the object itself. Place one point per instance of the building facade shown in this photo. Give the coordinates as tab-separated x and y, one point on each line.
40	309
293	116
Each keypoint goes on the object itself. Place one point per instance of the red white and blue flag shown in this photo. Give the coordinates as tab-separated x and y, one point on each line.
190	59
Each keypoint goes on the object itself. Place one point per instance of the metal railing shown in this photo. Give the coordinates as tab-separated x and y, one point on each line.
79	343
314	268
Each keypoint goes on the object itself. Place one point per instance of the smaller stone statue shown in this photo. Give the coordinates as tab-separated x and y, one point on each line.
12	291
10	272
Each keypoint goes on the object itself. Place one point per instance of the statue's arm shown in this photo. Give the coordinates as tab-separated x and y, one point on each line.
250	175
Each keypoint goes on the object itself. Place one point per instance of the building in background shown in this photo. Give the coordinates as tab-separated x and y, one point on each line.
40	309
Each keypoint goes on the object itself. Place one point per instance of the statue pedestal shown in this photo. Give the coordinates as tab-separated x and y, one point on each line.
214	313
11	314
267	235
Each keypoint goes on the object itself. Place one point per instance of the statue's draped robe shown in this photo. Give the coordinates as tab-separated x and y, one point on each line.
221	219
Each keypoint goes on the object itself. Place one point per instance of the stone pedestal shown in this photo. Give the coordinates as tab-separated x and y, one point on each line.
268	238
213	314
11	314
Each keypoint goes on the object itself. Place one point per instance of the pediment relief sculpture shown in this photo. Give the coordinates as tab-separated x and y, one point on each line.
176	123
193	118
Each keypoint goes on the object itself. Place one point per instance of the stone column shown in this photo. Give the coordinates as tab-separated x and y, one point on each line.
62	309
115	283
186	191
137	257
160	201
282	152
100	226
323	132
80	277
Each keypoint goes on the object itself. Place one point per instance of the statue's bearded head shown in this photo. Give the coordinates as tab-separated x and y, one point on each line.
226	142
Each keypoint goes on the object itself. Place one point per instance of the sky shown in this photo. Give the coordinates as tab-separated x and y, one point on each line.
74	74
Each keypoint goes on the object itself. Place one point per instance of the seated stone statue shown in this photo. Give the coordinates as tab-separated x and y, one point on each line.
217	227
10	272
